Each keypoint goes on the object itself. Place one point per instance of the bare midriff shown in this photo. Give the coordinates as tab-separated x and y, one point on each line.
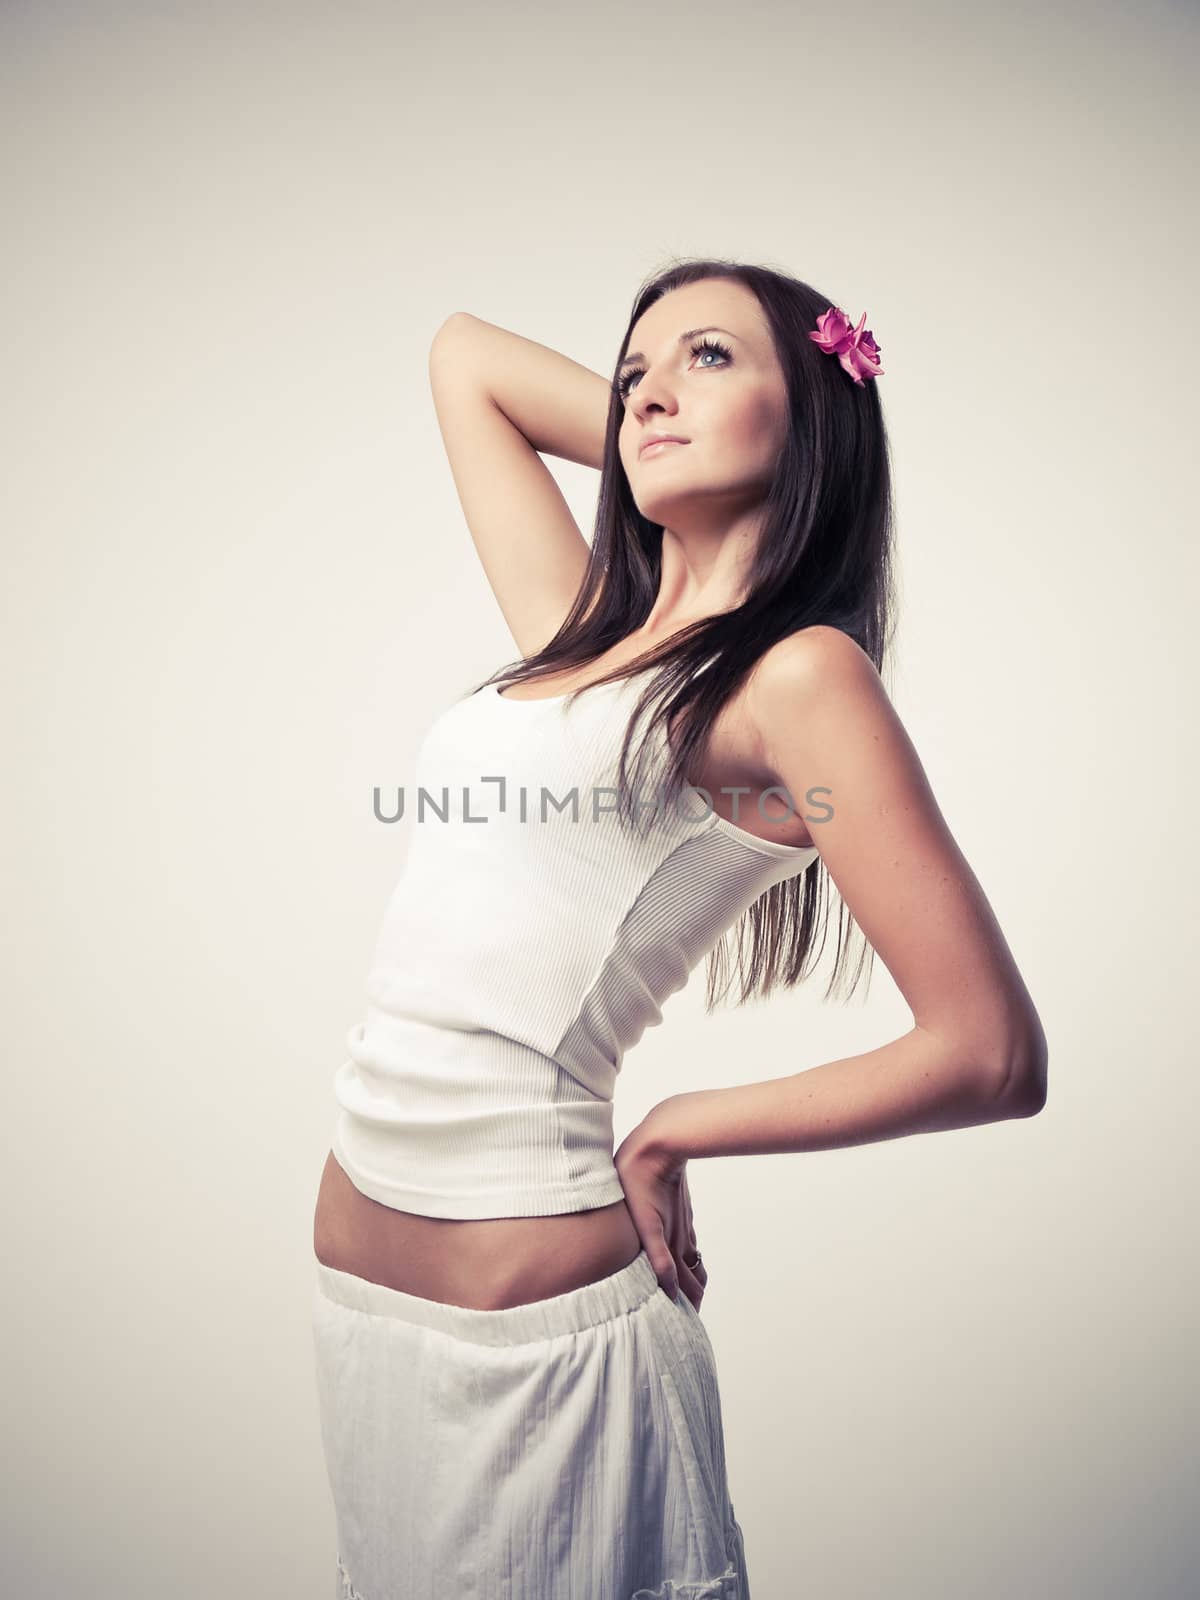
488	1263
491	1263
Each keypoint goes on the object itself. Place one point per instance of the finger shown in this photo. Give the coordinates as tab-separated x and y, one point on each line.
686	1255
694	1281
664	1266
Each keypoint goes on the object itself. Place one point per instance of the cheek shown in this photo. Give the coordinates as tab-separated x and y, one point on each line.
754	428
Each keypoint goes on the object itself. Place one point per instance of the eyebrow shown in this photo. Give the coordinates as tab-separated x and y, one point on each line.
636	355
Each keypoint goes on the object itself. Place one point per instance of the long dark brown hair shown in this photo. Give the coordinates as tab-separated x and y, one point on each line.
824	556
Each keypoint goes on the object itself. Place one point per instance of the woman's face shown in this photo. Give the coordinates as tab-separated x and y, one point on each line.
730	408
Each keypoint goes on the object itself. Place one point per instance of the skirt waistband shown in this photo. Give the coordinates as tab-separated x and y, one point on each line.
592	1303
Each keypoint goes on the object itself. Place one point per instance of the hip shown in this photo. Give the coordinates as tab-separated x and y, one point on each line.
569	1447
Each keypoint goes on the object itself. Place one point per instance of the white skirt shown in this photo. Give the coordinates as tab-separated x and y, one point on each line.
566	1449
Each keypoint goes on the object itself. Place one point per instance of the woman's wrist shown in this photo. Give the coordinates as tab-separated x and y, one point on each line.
659	1136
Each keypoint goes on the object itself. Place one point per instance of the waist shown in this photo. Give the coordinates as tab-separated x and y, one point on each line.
487	1263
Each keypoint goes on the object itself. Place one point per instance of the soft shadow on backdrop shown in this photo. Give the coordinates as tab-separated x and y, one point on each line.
239	588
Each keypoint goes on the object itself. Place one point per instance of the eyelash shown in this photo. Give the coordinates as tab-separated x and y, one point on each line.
623	382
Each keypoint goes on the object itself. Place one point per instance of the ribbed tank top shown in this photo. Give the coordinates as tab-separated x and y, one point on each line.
530	941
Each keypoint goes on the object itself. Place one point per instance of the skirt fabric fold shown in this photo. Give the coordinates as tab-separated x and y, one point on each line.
567	1449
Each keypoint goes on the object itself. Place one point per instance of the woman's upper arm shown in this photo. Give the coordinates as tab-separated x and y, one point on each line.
531	548
825	722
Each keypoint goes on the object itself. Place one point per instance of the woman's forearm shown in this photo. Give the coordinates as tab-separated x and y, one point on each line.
560	406
915	1084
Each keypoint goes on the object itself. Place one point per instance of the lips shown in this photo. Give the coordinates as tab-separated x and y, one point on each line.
650	444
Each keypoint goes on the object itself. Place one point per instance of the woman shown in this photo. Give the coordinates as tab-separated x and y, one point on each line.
514	1380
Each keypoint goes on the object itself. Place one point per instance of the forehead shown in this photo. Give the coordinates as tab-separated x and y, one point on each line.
713	300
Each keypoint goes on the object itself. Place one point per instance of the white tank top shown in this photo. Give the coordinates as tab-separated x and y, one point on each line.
531	940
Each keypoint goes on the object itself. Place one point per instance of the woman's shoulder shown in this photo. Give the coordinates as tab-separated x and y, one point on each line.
805	659
816	686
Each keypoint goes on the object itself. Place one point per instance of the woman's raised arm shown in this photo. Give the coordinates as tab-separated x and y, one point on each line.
501	400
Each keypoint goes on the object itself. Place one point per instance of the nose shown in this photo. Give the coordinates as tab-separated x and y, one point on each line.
652	394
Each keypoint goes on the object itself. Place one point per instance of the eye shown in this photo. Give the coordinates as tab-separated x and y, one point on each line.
625	381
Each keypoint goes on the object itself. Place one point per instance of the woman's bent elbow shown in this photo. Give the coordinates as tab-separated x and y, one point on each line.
1023	1093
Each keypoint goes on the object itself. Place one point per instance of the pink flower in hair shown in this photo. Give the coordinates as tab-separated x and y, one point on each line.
854	347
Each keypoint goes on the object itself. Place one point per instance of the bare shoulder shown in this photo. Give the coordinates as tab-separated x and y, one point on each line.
817	707
816	661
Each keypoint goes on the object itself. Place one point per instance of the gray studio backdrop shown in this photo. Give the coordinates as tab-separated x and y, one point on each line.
238	588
